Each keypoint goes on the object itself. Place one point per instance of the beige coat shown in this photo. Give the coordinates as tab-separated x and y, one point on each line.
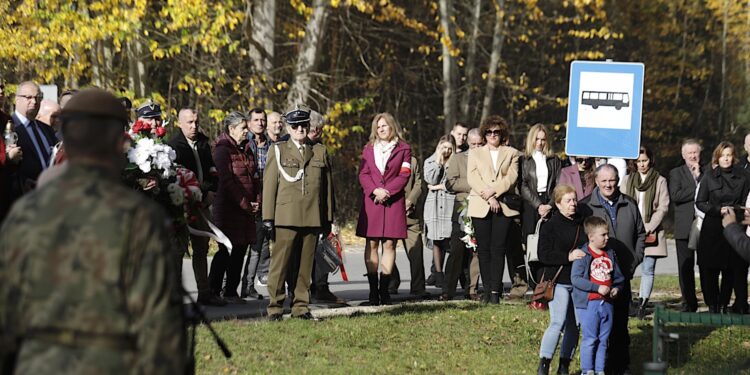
481	176
661	206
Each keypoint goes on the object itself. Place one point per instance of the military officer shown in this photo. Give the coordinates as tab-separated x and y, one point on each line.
298	205
87	285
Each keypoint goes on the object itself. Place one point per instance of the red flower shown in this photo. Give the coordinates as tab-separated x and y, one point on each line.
141	127
161	132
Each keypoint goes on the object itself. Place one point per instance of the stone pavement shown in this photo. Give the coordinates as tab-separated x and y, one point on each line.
356	289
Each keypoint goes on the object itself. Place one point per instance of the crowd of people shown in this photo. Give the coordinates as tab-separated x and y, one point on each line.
266	184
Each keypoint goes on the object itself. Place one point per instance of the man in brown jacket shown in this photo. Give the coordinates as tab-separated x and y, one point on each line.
297	207
456	182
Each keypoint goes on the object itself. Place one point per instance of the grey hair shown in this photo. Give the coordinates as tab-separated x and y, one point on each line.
316	120
602	167
233	119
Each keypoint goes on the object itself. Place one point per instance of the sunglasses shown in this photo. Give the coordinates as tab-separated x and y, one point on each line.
303	125
496	132
583	160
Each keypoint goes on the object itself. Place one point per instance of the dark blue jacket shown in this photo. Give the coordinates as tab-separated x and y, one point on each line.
582	284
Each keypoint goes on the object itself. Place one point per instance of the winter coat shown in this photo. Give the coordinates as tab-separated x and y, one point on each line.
482	176
438	207
719	189
238	187
571	176
628	238
557	237
388	219
580	275
660	209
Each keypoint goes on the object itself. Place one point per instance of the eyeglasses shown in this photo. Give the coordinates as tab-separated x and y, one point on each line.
303	125
29	97
583	160
496	132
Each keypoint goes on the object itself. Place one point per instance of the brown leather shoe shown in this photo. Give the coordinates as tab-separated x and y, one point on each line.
474	297
325	295
211	300
445	297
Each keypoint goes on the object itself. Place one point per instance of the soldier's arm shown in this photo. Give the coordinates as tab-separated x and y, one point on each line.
270	185
416	176
153	296
331	199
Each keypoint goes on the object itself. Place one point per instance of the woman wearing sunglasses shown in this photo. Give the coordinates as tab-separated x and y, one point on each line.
383	173
580	176
492	172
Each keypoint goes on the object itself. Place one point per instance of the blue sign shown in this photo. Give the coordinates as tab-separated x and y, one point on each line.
605	102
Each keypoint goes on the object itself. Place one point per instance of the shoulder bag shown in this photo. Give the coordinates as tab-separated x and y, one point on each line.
532	244
545	289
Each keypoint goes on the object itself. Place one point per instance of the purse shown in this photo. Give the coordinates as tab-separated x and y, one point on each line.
512	200
544	291
695	233
327	256
532	244
651	240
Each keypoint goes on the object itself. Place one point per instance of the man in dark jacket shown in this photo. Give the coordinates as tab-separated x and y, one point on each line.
683	181
735	233
194	153
626	236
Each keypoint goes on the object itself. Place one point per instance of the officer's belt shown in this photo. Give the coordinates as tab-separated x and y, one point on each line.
69	337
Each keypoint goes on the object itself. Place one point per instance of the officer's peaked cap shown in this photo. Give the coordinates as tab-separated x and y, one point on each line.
297	116
149	109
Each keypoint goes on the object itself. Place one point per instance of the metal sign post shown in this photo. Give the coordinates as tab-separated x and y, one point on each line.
605	101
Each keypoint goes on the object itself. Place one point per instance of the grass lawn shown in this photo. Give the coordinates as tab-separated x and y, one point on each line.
441	338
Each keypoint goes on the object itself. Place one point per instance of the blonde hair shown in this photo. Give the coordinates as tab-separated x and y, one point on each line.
531	140
561	191
594	222
396	131
446	139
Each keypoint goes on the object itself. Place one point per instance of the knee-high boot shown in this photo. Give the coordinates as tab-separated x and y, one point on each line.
372	279
385	297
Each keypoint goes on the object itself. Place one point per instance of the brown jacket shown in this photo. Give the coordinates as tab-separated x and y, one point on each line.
481	176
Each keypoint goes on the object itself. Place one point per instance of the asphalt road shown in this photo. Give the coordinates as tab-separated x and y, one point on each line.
355	291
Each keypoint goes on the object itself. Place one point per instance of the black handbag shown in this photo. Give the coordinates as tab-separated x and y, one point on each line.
512	200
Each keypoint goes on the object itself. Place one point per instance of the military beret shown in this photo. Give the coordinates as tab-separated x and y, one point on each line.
94	102
297	116
149	109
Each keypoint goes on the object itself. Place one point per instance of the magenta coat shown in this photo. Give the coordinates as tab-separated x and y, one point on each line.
570	176
238	187
384	220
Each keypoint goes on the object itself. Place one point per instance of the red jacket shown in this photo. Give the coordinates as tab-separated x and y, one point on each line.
384	220
238	187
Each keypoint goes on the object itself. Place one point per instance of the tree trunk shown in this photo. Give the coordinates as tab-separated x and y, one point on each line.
468	87
449	64
498	38
722	96
308	54
137	76
261	29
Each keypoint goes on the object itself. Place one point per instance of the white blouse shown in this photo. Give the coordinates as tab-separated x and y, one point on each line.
541	171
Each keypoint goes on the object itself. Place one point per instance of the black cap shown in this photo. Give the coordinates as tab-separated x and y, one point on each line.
149	109
297	116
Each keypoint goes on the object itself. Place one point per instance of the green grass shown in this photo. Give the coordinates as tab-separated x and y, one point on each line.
445	338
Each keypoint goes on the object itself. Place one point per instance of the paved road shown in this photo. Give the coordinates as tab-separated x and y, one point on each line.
356	289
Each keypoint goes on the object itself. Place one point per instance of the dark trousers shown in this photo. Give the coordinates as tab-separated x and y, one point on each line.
713	293
200	264
492	234
257	262
738	267
415	252
231	265
454	264
686	272
618	357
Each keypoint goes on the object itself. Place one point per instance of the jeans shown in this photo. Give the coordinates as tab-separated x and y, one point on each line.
257	262
596	325
562	319
647	279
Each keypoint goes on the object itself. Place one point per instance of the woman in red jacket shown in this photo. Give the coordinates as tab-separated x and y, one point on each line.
235	204
383	174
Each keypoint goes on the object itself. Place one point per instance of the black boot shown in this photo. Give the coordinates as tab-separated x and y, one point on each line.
385	297
564	368
495	298
372	279
642	302
543	366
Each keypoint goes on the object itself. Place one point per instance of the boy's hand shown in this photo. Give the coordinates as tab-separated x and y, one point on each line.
613	292
603	290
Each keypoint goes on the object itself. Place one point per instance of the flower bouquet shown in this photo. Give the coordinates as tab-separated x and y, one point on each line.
467	227
151	170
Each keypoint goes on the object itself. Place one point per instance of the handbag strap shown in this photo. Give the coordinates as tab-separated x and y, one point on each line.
539	224
578	231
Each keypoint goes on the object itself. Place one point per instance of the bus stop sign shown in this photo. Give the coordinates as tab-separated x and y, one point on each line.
605	101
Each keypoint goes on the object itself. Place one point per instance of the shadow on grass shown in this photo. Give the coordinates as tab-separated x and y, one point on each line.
422	309
684	354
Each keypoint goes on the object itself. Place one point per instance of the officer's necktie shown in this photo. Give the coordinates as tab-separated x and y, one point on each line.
302	151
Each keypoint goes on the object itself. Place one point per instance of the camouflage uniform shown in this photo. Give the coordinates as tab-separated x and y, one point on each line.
86	282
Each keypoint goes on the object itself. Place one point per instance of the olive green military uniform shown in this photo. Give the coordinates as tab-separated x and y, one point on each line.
413	241
87	285
298	209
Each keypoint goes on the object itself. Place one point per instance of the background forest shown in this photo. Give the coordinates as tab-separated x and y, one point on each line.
430	62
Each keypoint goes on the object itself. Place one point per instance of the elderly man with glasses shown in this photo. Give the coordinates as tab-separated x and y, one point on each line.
35	138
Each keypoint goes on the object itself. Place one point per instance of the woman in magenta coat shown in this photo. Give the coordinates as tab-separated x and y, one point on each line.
383	174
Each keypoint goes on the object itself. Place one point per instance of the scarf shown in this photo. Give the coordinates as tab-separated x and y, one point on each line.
382	152
648	186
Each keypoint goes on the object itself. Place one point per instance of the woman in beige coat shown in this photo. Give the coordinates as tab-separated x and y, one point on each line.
492	173
649	189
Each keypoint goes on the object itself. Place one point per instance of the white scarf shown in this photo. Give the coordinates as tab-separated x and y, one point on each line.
382	153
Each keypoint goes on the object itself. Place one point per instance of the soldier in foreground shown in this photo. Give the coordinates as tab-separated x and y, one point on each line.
86	282
297	206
